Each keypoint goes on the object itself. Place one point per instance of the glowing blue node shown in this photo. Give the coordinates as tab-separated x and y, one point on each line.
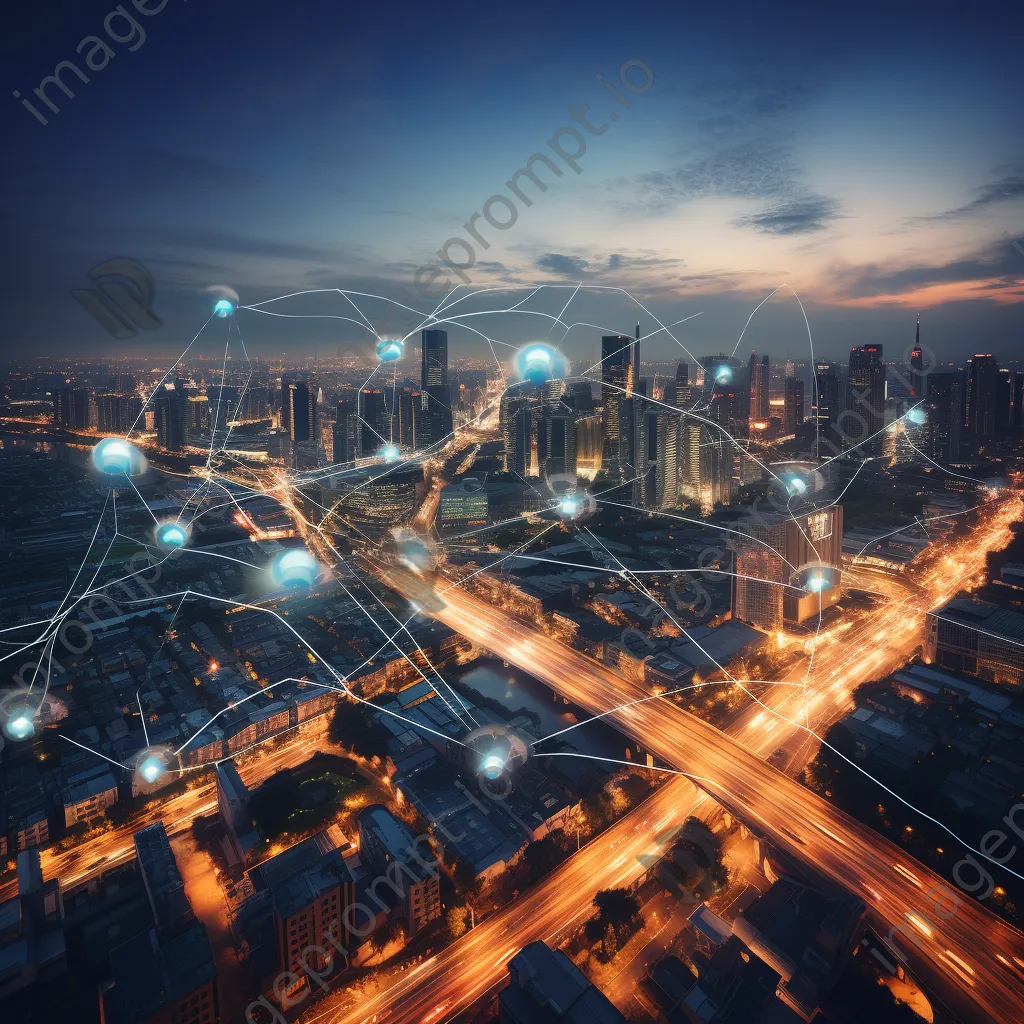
152	768
817	583
389	453
493	765
223	308
723	374
569	507
796	485
170	536
20	724
295	567
916	416
390	350
537	363
114	456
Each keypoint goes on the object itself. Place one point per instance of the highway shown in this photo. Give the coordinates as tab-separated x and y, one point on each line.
973	961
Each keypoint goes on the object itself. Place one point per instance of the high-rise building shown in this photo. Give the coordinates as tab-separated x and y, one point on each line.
515	423
620	369
71	408
664	456
983	397
942	423
300	401
557	445
759	409
374	421
409	407
1004	401
825	396
170	415
917	374
777	557
388	848
689	460
793	404
863	416
434	352
346	433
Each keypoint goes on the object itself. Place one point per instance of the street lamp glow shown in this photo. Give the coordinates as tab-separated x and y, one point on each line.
390	350
223	308
294	568
171	536
20	724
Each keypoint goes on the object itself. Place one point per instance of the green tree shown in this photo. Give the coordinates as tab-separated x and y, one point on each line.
354	725
456	921
617	906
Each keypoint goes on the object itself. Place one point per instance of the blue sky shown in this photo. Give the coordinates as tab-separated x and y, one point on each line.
869	159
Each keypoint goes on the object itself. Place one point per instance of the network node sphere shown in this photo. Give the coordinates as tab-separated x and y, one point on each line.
115	456
19	723
492	766
796	484
538	363
390	350
171	536
388	453
723	374
916	416
294	568
151	768
569	507
223	308
817	583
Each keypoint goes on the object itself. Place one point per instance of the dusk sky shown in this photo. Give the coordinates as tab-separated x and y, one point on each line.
869	157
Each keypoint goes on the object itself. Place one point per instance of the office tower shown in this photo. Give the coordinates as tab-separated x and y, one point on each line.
665	457
308	892
689	457
170	415
345	433
668	392
375	422
71	408
793	407
620	368
589	441
440	421
515	434
198	419
825	396
579	396
863	414
760	410
462	505
775	555
917	374
551	392
434	353
408	418
387	847
1018	399
166	972
300	400
983	397
558	457
943	418
1004	401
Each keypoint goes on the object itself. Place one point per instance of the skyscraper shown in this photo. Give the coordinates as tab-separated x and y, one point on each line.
983	397
71	408
620	369
793	407
825	397
435	388
942	402
169	413
558	456
374	421
760	410
863	414
345	431
300	401
917	374
409	407
664	455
